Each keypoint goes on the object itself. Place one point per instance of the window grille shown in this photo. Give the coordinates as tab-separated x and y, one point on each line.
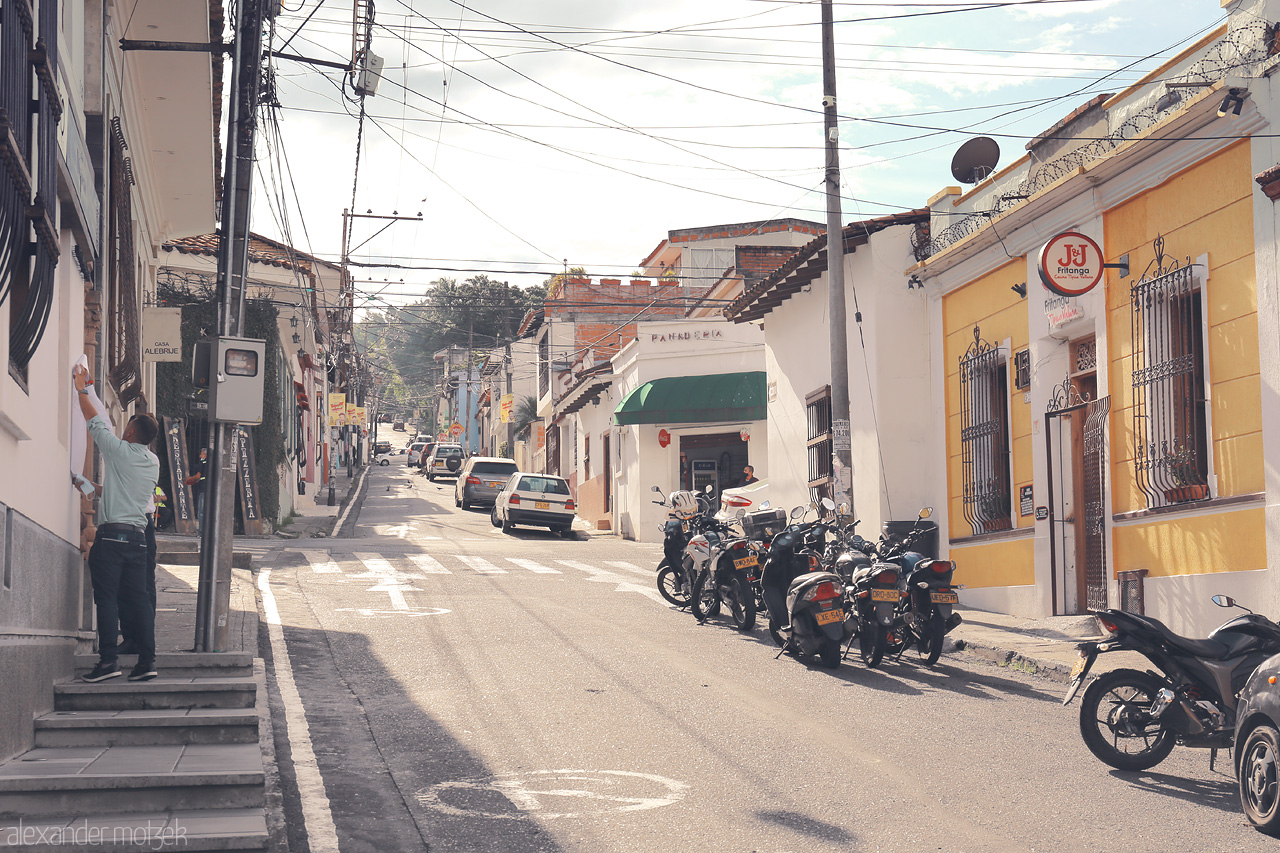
553	450
818	419
29	114
544	364
124	349
1022	369
1171	458
984	436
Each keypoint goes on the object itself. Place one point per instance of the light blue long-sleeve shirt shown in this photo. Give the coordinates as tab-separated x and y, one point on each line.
129	475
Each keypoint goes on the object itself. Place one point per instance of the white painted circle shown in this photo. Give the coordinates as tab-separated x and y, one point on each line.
554	794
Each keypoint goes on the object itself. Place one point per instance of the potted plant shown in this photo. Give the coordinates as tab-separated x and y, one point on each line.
1183	467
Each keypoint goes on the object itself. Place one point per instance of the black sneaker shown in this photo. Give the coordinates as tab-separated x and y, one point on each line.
102	672
143	672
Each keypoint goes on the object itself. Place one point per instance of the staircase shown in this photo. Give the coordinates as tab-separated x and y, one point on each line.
173	763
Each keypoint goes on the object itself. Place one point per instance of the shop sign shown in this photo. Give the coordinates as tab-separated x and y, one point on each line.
162	334
745	435
1071	264
504	408
693	335
664	438
1026	500
1061	310
337	410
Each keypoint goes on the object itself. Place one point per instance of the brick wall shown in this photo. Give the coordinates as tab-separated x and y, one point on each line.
591	503
605	313
756	263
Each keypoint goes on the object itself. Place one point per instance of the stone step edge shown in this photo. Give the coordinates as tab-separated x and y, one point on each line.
72	720
213	660
121	685
138	781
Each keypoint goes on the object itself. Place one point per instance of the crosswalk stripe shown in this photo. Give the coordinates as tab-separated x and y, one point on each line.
533	566
582	567
320	563
630	567
376	564
480	565
428	564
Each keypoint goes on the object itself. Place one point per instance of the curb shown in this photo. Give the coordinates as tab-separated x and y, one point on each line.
1008	659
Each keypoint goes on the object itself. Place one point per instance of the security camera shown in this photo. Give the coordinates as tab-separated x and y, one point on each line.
828	101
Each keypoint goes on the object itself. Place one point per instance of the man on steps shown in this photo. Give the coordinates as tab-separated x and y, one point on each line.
118	558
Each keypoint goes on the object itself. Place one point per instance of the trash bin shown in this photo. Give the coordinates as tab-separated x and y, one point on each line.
927	544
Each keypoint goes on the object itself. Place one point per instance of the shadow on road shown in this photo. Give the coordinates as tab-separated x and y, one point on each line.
1219	793
810	826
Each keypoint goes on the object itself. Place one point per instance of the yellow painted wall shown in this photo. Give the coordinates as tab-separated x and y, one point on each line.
1009	562
990	304
1206	209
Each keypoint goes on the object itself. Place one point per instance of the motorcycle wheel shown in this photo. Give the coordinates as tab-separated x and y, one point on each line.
1258	783
872	639
830	654
706	601
777	637
932	632
669	585
742	604
1114	722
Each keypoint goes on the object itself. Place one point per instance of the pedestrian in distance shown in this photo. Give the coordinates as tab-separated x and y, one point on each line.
196	482
748	476
118	558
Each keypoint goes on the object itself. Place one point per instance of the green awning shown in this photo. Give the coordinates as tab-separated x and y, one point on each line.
696	400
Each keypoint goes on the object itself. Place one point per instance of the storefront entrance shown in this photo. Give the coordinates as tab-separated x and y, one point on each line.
716	460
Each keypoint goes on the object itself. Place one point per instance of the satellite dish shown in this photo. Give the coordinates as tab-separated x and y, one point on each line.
975	160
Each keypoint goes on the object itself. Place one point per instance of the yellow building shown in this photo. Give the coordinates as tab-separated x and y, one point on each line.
1106	449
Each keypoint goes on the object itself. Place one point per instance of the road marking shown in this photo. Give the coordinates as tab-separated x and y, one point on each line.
317	818
320	563
480	565
337	525
554	794
630	567
428	565
533	566
625	584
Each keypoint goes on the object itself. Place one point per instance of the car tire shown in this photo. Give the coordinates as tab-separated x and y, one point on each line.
493	517
566	532
465	504
507	526
431	478
1257	779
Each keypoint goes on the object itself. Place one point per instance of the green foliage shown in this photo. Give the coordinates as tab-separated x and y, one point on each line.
174	387
523	413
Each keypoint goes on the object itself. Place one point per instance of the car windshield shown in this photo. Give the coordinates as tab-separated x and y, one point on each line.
416	446
448	451
505	468
547	485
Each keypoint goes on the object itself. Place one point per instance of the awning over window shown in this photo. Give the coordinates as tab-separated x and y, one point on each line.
696	400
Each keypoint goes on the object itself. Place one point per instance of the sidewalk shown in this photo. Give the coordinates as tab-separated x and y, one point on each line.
1045	647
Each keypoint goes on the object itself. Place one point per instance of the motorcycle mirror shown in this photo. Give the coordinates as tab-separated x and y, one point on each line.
741	512
828	504
926	512
1223	601
799	511
765	505
707	489
656	489
844	508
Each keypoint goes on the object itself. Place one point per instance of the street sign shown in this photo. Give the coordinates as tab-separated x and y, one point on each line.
456	429
1071	264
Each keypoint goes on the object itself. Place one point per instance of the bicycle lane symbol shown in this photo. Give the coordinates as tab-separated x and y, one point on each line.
554	794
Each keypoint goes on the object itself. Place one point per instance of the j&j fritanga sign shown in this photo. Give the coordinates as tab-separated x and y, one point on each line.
1071	264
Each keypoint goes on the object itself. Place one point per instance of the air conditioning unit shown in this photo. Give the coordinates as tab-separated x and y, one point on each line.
368	73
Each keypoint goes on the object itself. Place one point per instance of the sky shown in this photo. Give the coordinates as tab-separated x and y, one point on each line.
535	134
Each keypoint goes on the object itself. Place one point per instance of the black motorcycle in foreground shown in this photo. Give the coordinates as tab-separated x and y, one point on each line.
1131	720
809	617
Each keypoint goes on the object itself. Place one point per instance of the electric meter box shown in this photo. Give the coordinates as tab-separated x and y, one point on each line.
237	380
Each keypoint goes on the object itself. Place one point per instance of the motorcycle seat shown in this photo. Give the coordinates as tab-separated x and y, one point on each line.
1211	649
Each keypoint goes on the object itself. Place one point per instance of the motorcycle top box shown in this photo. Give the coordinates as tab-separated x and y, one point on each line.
764	523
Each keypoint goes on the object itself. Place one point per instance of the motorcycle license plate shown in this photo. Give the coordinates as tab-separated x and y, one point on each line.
884	595
744	562
1077	669
826	617
541	505
944	598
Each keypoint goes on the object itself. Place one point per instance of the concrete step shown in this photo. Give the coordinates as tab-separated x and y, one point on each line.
164	692
79	781
171	664
225	830
147	728
174	557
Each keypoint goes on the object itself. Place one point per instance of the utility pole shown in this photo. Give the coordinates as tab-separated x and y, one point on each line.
511	435
213	593
841	446
467	412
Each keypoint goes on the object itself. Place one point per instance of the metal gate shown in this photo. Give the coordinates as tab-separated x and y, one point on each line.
1077	500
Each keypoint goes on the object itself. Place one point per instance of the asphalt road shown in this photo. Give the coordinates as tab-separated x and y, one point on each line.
465	690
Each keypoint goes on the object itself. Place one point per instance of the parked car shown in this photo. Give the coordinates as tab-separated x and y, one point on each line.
543	500
1257	747
381	447
444	461
415	453
480	480
398	426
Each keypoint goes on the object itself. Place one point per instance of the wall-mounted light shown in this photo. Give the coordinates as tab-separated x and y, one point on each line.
297	339
1233	102
914	282
293	321
1020	289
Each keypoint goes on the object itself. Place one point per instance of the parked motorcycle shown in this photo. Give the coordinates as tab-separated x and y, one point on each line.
725	576
811	618
675	572
1131	720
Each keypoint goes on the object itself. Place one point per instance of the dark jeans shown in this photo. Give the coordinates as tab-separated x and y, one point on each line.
118	569
125	622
